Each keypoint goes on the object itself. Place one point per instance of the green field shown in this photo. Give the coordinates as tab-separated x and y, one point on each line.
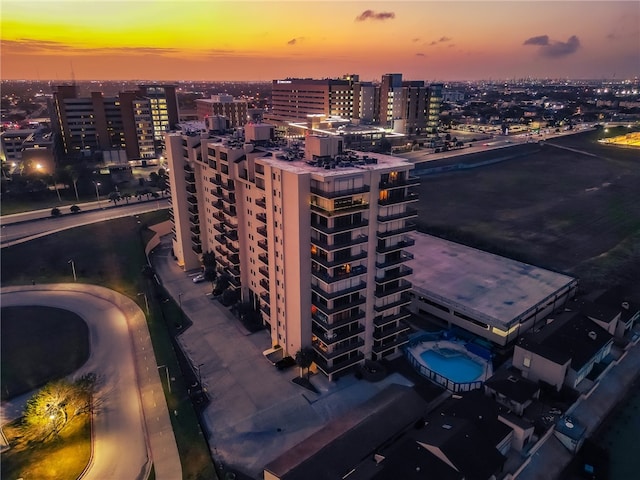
560	209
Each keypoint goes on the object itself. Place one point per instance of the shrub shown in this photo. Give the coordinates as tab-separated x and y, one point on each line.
74	208
55	212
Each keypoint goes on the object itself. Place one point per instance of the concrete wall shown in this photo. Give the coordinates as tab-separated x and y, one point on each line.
540	368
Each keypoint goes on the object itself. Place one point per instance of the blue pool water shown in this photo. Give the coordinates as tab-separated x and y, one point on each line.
458	368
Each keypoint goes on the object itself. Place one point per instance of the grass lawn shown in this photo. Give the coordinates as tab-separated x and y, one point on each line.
39	344
62	458
112	254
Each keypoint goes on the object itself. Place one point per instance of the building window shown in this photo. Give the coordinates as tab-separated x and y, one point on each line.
526	362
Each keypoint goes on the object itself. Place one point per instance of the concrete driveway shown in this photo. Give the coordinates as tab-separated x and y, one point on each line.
132	428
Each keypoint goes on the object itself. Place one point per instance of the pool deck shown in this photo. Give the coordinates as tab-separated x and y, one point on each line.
448	344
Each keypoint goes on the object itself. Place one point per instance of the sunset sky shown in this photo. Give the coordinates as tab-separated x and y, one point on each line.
265	40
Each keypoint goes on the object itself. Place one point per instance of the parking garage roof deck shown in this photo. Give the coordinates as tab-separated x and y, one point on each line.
493	289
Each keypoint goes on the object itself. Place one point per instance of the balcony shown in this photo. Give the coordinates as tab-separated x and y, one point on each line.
266	310
356	207
221	250
394	274
220	238
338	293
337	323
405	182
341	308
232	235
263	245
262	217
195	229
400	340
404	243
397	199
341	261
235	282
264	258
264	272
193	209
229	222
355	271
327	370
405	299
232	248
218	215
197	249
190	178
234	259
192	200
408	213
338	349
329	337
265	297
194	219
382	321
262	202
195	240
381	334
262	231
335	245
264	284
219	227
385	292
409	227
216	181
340	228
340	193
403	257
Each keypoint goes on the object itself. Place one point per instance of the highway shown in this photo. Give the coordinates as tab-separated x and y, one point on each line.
30	225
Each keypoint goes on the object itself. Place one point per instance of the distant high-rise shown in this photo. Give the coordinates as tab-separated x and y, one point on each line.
235	110
313	236
133	122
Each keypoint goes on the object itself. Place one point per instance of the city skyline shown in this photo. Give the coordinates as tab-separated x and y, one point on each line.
259	41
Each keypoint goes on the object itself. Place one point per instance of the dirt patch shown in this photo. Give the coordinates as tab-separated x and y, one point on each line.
556	208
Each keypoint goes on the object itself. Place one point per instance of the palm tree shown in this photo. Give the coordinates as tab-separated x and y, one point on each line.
304	358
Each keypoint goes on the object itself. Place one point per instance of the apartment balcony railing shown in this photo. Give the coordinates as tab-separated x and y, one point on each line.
264	258
228	200
234	259
264	272
218	215
266	309
261	202
232	248
338	349
340	308
408	213
232	235
403	243
396	199
394	274
337	367
405	299
263	245
265	297
188	168
216	193
261	217
228	187
333	263
195	229
331	337
388	319
385	292
235	281
262	231
194	219
340	211
195	240
336	245
405	182
331	324
215	181
220	238
193	209
340	193
231	222
409	227
219	227
381	334
264	284
338	293
190	188
355	271
340	228
197	248
190	178
403	257
222	251
397	342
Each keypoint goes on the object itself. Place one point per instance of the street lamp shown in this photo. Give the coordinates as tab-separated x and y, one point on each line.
73	269
146	302
166	369
97	184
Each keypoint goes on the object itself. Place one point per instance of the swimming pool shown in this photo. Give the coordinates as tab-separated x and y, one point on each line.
454	365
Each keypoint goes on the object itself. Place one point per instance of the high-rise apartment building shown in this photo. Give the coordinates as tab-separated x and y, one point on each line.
314	236
234	109
133	121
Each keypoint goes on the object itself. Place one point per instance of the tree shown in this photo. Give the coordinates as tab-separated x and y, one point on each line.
304	358
49	410
55	212
74	208
126	197
114	197
209	264
74	176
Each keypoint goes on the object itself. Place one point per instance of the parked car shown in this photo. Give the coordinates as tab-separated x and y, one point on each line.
199	278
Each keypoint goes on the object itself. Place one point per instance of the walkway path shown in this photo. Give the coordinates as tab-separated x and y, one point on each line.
133	428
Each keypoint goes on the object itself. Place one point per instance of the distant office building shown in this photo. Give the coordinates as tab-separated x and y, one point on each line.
407	107
134	121
27	151
235	110
11	143
314	237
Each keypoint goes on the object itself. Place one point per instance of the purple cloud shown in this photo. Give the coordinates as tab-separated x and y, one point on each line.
539	40
420	55
444	39
294	41
554	49
371	15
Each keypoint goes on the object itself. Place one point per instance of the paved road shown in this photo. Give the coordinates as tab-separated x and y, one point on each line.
30	225
132	426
